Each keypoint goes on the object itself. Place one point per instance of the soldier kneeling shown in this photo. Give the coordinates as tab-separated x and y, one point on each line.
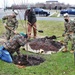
11	46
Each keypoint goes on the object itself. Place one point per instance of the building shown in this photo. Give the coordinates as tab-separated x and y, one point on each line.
52	1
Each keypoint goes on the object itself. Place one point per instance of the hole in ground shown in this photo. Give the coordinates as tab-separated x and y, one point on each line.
27	60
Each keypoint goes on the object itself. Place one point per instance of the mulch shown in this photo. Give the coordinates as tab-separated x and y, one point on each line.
46	44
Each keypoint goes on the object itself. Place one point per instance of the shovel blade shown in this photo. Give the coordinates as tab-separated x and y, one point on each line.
40	31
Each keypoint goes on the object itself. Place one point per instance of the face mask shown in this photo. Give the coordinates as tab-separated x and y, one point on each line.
66	20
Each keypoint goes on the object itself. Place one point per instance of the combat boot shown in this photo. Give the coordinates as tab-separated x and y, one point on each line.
65	50
72	51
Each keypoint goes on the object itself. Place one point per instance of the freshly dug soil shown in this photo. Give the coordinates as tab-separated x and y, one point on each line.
47	44
27	60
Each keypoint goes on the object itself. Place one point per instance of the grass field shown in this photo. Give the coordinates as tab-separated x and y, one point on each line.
55	64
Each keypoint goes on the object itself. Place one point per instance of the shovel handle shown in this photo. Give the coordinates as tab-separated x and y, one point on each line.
40	31
11	30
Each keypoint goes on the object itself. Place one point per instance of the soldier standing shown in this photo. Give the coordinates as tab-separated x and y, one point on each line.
30	15
11	24
69	33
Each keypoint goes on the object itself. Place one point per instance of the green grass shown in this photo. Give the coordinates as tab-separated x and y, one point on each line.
55	64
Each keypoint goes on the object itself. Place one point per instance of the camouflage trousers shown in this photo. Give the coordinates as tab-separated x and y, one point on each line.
70	37
9	34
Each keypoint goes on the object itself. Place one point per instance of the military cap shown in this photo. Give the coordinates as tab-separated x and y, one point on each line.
23	34
15	12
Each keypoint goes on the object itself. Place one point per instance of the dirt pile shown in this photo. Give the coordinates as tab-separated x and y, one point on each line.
47	44
27	60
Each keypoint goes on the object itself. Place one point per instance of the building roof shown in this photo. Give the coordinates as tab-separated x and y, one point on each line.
52	1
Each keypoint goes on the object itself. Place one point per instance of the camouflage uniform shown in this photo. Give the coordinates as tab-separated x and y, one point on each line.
14	44
12	23
69	33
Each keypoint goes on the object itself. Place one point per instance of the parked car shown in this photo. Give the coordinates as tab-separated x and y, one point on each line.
70	11
41	11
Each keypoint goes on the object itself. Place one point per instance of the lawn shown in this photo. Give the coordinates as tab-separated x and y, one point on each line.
55	64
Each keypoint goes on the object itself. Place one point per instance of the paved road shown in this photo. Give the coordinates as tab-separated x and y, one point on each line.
50	18
21	16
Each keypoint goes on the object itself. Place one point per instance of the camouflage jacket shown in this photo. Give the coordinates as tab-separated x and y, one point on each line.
10	21
69	26
15	43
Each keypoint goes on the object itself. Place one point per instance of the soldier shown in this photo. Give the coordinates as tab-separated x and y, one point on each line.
69	33
11	46
11	24
30	15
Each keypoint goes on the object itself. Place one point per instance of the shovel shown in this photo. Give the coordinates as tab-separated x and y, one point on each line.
11	29
40	31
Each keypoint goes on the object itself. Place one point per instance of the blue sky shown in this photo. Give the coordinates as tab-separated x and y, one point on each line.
10	2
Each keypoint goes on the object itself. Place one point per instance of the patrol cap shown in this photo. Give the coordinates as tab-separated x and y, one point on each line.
23	34
16	12
66	15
